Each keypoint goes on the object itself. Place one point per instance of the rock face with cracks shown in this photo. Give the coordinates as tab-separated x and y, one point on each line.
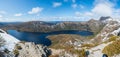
29	49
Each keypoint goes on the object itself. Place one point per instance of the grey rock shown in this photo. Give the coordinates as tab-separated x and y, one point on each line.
29	49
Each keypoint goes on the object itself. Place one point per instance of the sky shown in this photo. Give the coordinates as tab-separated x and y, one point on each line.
57	10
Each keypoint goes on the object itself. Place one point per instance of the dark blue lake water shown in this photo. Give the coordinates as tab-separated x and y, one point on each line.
40	38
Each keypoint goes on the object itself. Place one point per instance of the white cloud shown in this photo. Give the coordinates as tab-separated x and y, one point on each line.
35	10
78	14
88	14
74	5
103	9
57	4
1	16
18	14
81	6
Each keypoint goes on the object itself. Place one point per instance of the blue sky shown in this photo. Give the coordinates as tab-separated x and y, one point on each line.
57	10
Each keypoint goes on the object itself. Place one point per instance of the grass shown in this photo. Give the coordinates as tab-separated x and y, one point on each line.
112	49
59	42
113	38
80	53
54	55
88	45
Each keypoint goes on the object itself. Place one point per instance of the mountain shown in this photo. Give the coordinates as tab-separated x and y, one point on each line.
39	26
12	47
106	39
105	19
8	41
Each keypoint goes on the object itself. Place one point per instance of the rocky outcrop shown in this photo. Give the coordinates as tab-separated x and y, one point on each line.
111	28
104	18
28	49
7	41
95	25
12	47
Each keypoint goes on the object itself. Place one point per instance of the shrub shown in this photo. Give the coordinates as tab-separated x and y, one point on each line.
19	47
112	49
16	52
81	53
6	51
54	55
113	38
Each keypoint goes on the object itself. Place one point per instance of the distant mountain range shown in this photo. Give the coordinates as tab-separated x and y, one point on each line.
40	26
106	39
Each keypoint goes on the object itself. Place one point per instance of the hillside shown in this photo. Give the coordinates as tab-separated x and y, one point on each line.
38	26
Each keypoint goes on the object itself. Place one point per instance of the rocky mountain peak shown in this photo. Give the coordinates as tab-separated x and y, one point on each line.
92	20
105	19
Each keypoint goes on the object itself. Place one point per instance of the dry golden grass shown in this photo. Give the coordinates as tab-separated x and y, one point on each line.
113	38
59	41
112	49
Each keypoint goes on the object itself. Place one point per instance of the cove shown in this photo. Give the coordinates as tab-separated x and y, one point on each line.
40	37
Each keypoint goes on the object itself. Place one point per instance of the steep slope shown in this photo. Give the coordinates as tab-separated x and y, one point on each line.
12	47
9	41
104	38
109	29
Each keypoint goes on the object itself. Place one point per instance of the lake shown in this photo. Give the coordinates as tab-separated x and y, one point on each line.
40	38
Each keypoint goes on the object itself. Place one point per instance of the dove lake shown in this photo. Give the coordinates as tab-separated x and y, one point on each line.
40	37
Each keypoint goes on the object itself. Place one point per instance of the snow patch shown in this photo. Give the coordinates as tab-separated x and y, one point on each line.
10	41
115	32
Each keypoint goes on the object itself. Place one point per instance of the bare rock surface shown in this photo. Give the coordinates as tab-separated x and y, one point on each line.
29	49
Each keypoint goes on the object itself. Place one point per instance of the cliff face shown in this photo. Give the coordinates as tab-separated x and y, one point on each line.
112	27
95	25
